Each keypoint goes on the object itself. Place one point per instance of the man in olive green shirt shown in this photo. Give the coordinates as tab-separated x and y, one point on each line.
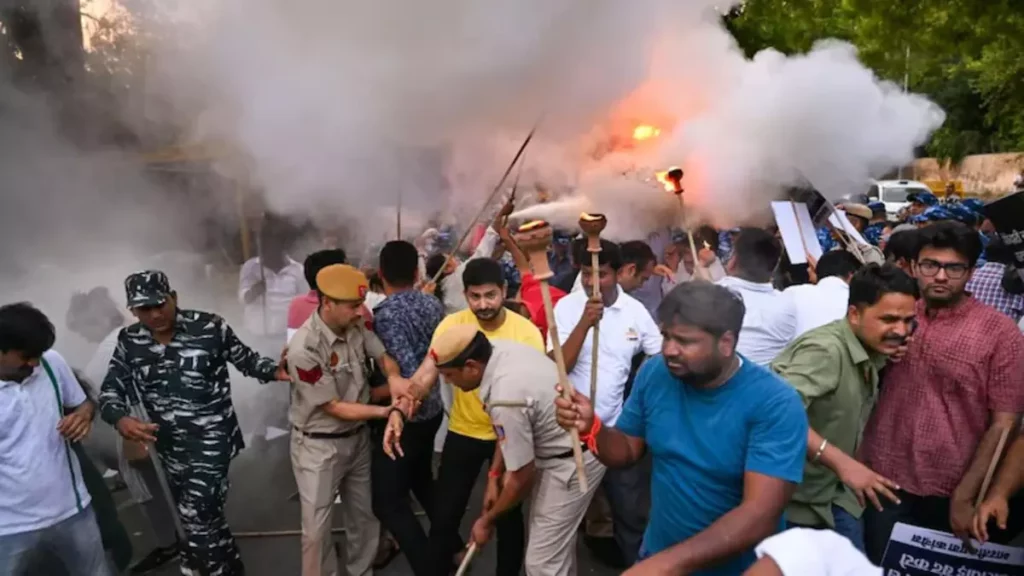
835	370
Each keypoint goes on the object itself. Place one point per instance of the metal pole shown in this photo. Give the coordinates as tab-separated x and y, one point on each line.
906	88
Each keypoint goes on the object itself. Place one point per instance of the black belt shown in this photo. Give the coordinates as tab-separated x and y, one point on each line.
331	435
563	455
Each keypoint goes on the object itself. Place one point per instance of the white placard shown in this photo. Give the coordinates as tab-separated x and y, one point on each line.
914	551
794	221
839	220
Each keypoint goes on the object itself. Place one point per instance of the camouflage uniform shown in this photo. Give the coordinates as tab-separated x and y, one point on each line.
185	389
873	233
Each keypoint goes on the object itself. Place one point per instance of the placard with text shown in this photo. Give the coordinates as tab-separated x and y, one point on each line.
914	551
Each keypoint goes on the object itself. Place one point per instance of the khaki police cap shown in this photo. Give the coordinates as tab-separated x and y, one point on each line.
451	343
342	282
858	210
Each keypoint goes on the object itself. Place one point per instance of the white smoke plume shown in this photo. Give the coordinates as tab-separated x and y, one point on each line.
338	106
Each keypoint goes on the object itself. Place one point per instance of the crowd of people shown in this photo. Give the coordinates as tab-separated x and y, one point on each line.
744	406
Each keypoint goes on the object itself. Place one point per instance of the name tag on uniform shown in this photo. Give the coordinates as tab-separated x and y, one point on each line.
632	335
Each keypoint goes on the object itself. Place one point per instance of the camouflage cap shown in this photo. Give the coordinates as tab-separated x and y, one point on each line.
147	288
926	198
877	207
342	282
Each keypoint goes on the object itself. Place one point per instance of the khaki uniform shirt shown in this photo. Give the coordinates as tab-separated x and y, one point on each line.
837	378
523	374
324	366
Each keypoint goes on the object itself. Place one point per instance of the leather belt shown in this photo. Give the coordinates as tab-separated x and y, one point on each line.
330	435
563	455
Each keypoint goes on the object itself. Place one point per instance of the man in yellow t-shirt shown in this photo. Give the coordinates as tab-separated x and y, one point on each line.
471	438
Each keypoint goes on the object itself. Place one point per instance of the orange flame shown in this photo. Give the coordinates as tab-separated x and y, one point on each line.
645	132
663	178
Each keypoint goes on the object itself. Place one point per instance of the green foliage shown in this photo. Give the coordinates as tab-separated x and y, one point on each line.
966	55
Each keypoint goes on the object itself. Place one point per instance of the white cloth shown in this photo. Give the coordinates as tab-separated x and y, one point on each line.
716	270
282	287
626	330
768	324
40	476
807	552
95	373
814	305
454	291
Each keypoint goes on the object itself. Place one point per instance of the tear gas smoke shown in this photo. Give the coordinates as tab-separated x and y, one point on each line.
338	105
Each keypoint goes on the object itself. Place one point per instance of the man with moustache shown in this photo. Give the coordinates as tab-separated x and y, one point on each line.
512	382
627	330
944	406
174	363
46	513
835	369
471	438
723	474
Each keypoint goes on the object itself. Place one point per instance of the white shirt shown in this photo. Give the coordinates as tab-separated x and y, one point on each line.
282	287
807	552
814	305
40	476
626	330
768	324
716	271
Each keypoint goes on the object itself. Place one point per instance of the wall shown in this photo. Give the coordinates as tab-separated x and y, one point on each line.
983	174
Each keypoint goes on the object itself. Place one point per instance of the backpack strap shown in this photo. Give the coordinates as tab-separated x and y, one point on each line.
67	447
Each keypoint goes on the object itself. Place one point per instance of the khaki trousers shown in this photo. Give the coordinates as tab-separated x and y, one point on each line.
556	509
323	468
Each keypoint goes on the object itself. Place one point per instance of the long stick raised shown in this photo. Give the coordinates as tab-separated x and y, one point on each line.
497	189
675	176
534	238
592	225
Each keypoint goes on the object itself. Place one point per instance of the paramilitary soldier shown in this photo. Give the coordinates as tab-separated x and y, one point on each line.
514	382
327	362
175	362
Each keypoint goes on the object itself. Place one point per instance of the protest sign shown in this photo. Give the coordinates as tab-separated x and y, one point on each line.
914	551
1007	216
797	231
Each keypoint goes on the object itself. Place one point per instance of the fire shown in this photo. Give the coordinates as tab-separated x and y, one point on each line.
665	181
645	132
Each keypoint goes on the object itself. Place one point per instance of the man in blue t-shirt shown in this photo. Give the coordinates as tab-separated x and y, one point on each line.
728	439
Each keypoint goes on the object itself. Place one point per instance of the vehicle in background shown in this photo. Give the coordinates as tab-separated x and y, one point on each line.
893	193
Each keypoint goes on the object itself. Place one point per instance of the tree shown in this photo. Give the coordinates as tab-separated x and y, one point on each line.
964	54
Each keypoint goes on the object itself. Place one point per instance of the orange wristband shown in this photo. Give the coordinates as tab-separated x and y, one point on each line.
590	438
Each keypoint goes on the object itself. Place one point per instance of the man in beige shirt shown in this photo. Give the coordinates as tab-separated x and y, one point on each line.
330	443
515	383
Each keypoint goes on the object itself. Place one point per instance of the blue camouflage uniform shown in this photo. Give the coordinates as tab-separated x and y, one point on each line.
873	232
184	387
825	239
725	244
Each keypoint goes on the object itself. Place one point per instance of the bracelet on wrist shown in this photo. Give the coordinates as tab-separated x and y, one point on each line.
590	438
821	450
400	413
494	474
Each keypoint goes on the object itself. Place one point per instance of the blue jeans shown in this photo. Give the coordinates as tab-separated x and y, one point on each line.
846	525
75	542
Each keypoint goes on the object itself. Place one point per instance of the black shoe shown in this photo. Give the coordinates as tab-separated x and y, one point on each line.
155	559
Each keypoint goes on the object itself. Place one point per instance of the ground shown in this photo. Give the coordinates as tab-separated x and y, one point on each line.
261	485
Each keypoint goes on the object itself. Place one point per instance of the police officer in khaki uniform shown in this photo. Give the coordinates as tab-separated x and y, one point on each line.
516	384
330	442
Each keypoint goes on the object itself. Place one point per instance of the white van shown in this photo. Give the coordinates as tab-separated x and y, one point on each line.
893	193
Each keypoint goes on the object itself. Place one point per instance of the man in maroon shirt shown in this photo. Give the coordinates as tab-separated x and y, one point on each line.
943	407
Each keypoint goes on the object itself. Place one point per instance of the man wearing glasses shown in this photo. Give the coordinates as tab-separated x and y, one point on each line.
944	405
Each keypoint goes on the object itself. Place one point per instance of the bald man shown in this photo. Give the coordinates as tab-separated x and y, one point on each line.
516	384
330	443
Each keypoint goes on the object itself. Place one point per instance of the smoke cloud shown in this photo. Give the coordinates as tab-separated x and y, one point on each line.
341	105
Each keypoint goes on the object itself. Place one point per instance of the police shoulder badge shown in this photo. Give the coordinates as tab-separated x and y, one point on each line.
310	376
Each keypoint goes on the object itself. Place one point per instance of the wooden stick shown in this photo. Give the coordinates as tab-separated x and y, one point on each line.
467	560
993	465
592	225
675	176
534	238
469	225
